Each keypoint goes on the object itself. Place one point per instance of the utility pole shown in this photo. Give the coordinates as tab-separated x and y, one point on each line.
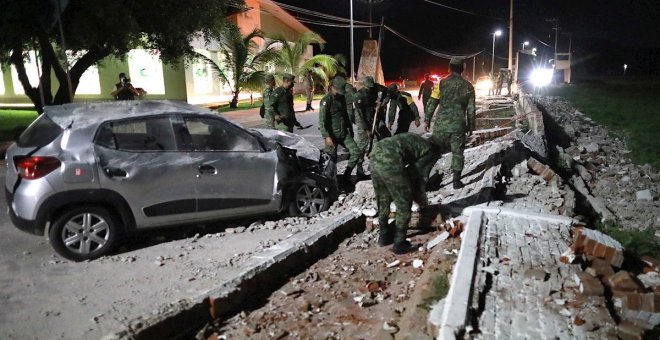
352	51
511	35
556	29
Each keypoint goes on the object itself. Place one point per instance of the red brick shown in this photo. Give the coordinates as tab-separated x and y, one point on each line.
455	231
589	246
617	259
599	250
652	262
602	269
622	281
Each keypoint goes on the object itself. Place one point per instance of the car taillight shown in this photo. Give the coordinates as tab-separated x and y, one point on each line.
36	166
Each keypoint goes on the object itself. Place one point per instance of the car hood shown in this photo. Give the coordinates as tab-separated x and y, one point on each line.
303	147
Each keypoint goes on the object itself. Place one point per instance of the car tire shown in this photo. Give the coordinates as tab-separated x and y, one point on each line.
85	233
308	199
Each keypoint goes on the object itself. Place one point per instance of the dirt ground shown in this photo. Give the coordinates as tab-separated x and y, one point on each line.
360	291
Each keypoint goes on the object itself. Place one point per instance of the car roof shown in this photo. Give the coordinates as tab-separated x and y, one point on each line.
97	112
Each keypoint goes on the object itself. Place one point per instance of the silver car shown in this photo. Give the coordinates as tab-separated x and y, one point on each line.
87	175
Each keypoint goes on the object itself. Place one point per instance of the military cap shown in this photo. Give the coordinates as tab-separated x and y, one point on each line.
349	86
369	82
269	78
456	61
339	83
288	76
393	87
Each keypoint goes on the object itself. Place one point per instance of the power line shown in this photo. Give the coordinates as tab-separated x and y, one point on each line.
430	51
315	22
462	11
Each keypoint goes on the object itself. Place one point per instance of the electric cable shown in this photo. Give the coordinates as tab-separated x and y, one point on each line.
462	11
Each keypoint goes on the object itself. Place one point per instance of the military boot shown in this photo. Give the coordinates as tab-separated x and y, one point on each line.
360	173
385	237
346	177
401	245
457	180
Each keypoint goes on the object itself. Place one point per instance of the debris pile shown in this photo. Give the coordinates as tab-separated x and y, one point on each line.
636	300
602	168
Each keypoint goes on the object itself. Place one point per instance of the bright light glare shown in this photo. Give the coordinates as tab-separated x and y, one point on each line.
484	84
541	77
498	33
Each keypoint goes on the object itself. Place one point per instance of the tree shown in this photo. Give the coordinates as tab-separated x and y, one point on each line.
244	61
290	58
96	29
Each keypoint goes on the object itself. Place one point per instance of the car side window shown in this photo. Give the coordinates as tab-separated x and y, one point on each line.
216	135
147	134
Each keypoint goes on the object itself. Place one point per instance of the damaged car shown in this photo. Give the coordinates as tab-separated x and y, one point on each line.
89	174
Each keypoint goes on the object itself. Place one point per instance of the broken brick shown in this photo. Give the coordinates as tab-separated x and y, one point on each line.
568	256
589	285
651	262
643	309
623	282
455	231
597	244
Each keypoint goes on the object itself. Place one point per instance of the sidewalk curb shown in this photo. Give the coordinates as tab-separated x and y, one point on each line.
268	269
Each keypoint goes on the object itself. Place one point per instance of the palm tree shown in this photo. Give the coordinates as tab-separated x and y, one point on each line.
244	61
290	58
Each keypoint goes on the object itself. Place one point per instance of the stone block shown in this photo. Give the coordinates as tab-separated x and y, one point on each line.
365	189
644	195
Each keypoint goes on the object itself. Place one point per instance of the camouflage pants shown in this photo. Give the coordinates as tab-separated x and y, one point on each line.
354	151
283	127
393	184
269	119
454	141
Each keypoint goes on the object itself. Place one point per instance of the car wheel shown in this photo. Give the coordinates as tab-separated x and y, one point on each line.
85	233
308	199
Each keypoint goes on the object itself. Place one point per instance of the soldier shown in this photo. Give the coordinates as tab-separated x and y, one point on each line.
372	98
491	89
500	81
509	81
284	116
335	126
455	97
400	168
407	110
310	90
267	96
425	90
351	92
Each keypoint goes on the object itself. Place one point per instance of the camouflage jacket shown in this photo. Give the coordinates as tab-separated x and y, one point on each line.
283	105
366	101
333	117
425	90
455	98
407	108
268	99
351	95
407	149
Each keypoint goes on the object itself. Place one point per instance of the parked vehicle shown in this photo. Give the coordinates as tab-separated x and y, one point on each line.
88	175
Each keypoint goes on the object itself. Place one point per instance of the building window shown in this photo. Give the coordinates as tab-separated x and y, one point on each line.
32	73
146	71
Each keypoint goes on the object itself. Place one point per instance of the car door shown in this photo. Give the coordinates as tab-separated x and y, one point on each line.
140	159
234	175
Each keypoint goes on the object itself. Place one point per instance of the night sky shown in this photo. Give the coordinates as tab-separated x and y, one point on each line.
605	34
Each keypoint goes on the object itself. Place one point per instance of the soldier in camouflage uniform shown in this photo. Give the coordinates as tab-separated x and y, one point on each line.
455	97
267	96
335	126
350	94
407	110
285	117
370	98
400	168
425	91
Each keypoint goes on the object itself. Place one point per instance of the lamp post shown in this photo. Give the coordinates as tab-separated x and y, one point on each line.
524	44
352	51
492	61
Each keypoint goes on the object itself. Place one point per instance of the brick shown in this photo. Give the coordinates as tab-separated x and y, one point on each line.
651	262
600	249
602	269
629	331
589	285
623	282
568	257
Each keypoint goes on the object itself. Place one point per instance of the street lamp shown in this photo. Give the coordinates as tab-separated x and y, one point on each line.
625	67
492	61
524	44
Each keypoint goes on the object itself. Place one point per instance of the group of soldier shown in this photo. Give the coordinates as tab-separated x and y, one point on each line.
504	76
400	165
